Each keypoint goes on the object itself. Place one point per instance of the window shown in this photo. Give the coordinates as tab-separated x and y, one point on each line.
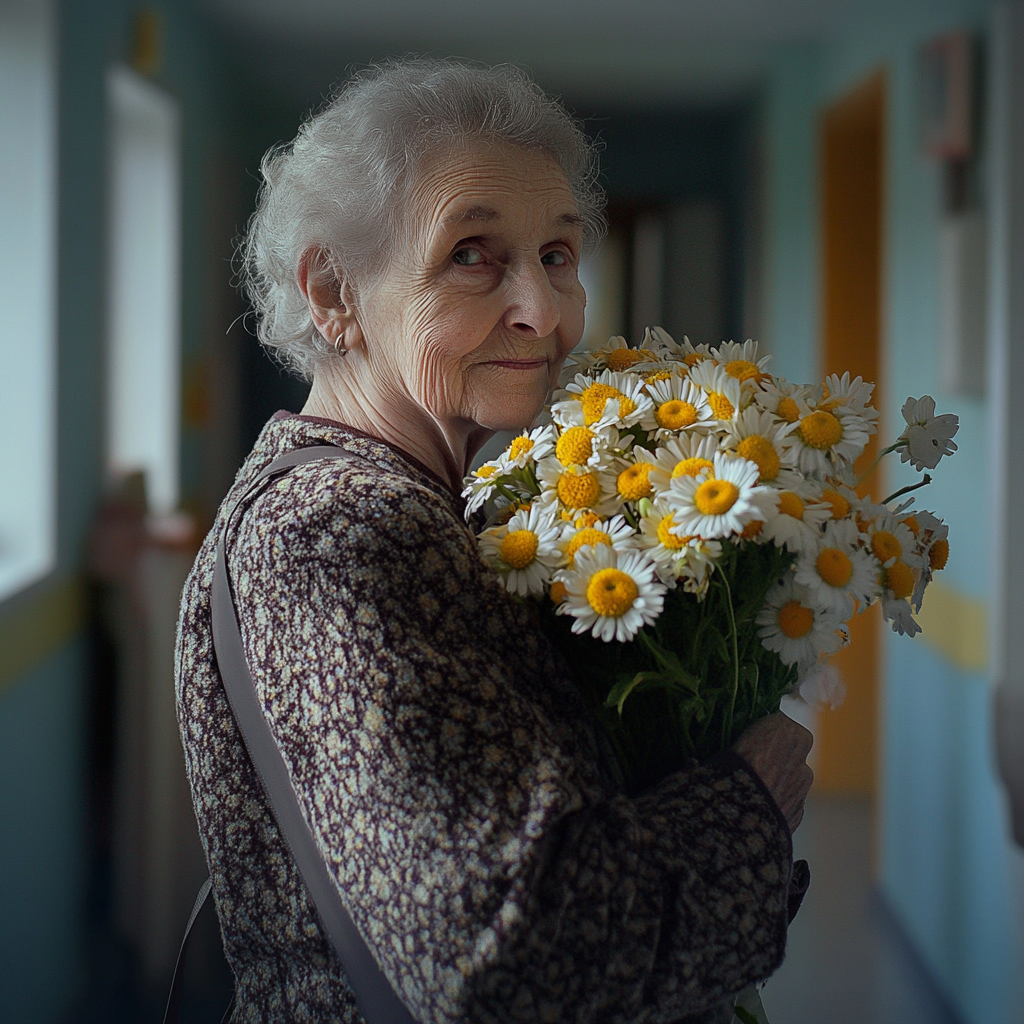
27	292
143	359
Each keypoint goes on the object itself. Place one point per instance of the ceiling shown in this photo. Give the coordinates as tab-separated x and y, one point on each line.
592	51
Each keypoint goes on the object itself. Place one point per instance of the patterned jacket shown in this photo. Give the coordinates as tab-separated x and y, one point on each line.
449	773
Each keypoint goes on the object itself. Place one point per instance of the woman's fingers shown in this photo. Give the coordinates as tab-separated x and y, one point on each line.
776	748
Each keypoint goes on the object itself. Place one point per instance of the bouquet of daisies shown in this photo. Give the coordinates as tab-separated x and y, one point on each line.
688	530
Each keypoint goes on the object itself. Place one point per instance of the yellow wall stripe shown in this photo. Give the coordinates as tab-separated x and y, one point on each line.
38	626
955	625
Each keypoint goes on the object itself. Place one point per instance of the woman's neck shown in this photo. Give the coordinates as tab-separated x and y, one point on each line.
445	449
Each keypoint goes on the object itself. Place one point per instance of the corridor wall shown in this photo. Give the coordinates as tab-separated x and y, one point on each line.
944	856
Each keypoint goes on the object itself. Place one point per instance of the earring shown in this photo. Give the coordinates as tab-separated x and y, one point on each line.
339	350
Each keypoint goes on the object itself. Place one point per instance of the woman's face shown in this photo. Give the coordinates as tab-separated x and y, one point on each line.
474	318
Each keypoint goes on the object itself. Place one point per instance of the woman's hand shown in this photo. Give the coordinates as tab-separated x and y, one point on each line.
776	748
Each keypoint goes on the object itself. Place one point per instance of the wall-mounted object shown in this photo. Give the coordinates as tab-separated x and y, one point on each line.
963	286
947	96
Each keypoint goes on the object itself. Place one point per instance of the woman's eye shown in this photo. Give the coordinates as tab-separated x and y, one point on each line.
554	258
468	257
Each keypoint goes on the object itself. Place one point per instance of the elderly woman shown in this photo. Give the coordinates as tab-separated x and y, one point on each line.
415	254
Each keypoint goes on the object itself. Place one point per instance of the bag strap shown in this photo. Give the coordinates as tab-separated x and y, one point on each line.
377	1000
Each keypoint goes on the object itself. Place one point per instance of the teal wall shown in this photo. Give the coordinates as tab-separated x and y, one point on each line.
43	766
944	854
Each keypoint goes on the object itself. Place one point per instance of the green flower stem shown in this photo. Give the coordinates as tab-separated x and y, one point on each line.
506	493
906	490
881	455
727	723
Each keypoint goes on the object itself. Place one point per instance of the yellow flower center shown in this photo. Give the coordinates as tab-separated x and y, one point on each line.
834	567
721	407
795	620
675	414
620	359
716	497
586	519
885	546
787	410
558	593
587	537
691	467
693	358
655	375
913	525
486	471
578	490
791	504
633	482
519	548
840	506
670	540
520	446
899	578
575	446
820	430
752	529
762	452
611	592
938	555
742	369
595	397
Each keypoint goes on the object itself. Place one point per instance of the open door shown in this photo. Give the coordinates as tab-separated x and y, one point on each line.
851	152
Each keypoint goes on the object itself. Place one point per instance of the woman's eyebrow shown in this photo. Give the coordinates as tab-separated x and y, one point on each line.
473	213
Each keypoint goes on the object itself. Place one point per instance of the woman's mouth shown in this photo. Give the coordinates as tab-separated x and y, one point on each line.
519	364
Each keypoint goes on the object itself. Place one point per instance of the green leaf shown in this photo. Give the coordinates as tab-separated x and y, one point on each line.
744	1016
622	689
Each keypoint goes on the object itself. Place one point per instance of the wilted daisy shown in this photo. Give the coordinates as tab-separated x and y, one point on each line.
898	613
797	627
758	436
723	392
928	437
685	455
721	502
530	446
611	594
482	485
588	532
525	552
838	572
676	404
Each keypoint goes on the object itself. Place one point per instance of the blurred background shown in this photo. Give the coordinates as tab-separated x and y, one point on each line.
842	180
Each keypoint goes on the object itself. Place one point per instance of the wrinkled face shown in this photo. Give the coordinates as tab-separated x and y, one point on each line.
474	318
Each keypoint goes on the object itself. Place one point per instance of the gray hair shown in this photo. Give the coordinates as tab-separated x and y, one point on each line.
343	183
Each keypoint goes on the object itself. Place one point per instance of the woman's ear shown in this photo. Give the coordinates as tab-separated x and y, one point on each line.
329	297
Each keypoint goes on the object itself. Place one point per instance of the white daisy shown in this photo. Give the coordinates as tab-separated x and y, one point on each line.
890	539
526	551
928	437
530	446
839	572
578	487
796	627
481	485
740	361
579	445
898	613
687	558
723	392
854	394
826	438
781	398
614	355
684	455
611	594
798	524
587	532
721	502
758	436
676	404
612	399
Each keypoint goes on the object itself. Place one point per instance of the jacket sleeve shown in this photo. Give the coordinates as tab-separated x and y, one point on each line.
449	775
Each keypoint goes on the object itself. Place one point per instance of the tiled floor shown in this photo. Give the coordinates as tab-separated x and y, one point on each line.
848	962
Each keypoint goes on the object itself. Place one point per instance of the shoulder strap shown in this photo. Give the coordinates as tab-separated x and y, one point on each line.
377	1000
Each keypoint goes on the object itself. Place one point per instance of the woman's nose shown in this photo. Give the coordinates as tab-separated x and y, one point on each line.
532	301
